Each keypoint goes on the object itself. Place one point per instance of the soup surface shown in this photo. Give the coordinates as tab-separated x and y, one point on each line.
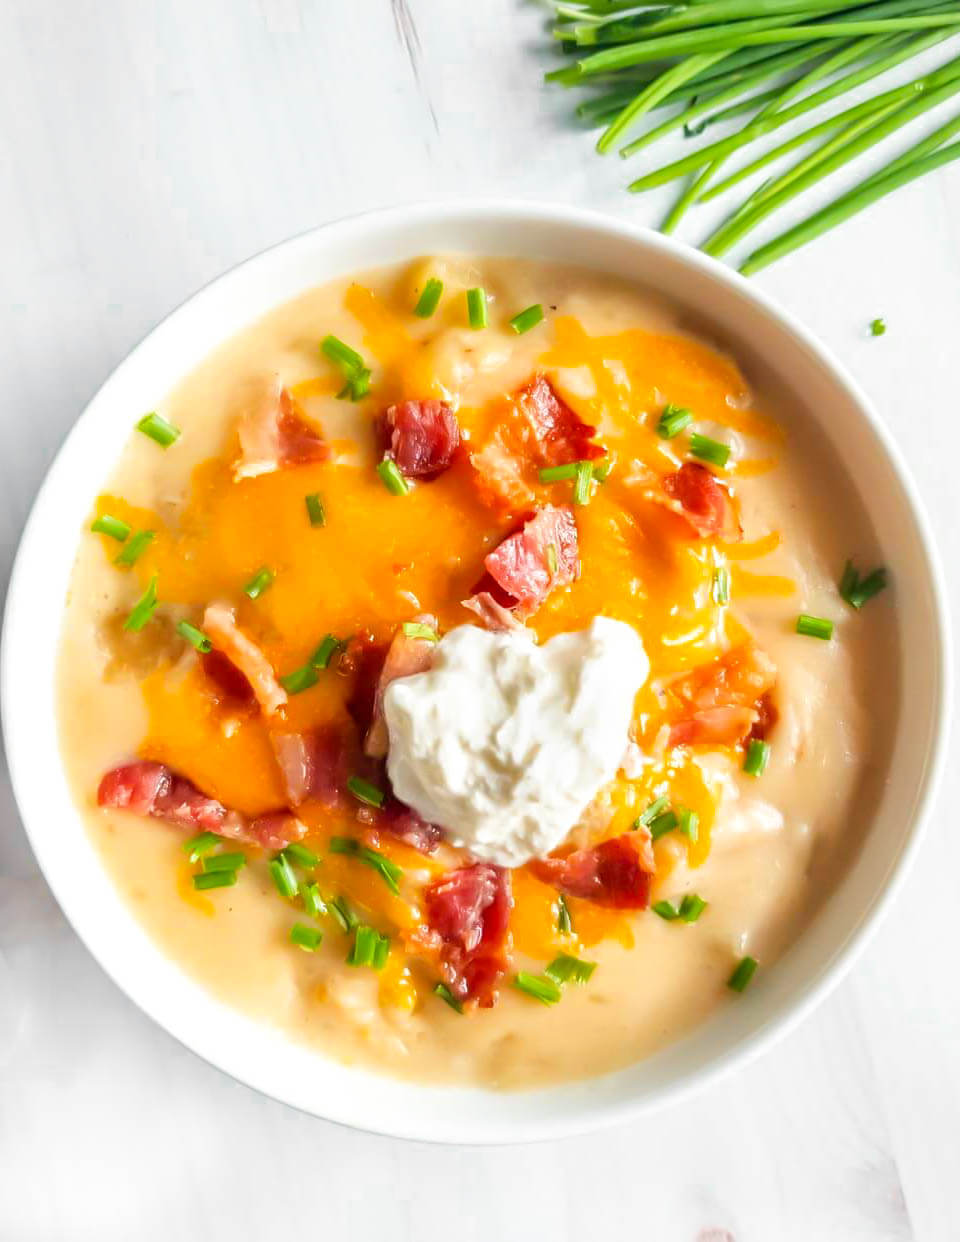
531	850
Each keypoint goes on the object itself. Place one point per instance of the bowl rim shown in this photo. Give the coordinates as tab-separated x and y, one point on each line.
831	972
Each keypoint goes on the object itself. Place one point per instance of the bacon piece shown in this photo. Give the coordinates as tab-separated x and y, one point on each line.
467	915
230	683
695	494
134	787
275	830
313	764
362	659
405	656
560	435
221	627
494	616
615	873
405	824
272	434
500	475
719	703
422	437
542	555
716	726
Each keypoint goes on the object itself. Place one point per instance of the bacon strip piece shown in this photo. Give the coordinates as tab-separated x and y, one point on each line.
272	435
422	437
540	556
147	788
313	765
220	624
615	873
721	702
494	616
560	435
405	656
467	916
403	823
696	495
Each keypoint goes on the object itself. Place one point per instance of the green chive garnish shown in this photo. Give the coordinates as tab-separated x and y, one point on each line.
196	638
363	791
553	563
720	587
159	429
757	757
448	997
283	876
259	582
657	807
391	477
342	911
672	421
386	868
538	986
114	527
814	627
713	451
200	845
315	510
743	972
216	879
877	327
663	824
305	937
477	308
581	489
691	908
429	299
415	629
313	903
299	854
369	948
567	969
602	468
356	373
564	921
325	652
689	823
527	319
300	679
559	474
224	862
143	609
665	910
856	591
135	547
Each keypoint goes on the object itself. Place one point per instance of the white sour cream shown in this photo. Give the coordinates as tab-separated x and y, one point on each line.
504	743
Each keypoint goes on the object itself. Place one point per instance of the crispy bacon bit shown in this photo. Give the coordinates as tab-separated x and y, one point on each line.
405	656
134	787
695	494
362	659
406	825
230	683
422	437
313	765
530	563
720	703
467	915
560	435
272	434
500	472
614	873
220	625
767	717
494	616
275	830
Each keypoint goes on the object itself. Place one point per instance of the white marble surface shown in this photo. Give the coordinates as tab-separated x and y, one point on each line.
147	145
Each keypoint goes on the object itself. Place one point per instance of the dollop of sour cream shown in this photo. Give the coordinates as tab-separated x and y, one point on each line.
504	743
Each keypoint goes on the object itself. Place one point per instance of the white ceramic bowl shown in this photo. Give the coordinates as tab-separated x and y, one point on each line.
759	334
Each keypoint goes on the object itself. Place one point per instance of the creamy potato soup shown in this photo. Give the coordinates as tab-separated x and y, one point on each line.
470	670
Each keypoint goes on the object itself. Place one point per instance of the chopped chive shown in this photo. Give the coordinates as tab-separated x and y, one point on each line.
283	876
814	627
342	911
581	489
448	997
300	679
143	609
357	386
429	299
363	791
259	582
391	477
757	758
305	937
558	474
527	319
200	845
657	807
538	986
415	629
114	527
553	563
665	910
691	908
158	429
672	421
355	371
856	591
743	972
224	862
564	921
663	824
602	468
315	510
135	547
567	969
369	948
720	587
877	327
381	953
299	854
215	879
313	903
689	823
477	308
713	451
325	652
196	638
388	870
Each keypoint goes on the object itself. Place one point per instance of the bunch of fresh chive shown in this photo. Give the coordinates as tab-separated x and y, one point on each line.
767	62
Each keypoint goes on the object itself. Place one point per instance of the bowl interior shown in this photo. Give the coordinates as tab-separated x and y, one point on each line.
753	330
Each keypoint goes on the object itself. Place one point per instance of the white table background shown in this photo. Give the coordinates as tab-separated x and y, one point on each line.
145	147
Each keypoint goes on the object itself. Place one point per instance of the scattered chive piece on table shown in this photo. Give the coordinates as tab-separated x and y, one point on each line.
114	527
391	477
856	591
429	299
665	910
143	609
315	510
663	824
300	679
200	845
135	547
448	997
195	637
224	862
672	421
657	807
215	879
308	938
757	757
299	854
581	488
559	474
713	451
342	911
527	319
538	986
158	429
720	587
477	308
313	903
877	327
363	791
689	823
814	627
283	877
355	371
564	921
259	582
691	908
743	972
416	629
567	969
328	648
